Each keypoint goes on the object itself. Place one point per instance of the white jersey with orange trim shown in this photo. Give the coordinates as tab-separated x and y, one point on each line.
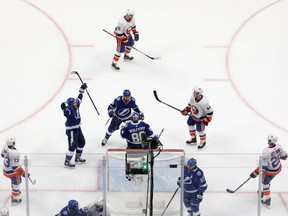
124	27
11	160
201	108
4	150
271	158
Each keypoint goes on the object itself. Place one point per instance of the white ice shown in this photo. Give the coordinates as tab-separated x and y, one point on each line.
236	50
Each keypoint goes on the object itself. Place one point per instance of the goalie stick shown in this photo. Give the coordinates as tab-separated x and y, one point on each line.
157	98
233	191
75	72
153	58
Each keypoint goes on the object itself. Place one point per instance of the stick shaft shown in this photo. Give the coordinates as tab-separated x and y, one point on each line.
75	72
156	96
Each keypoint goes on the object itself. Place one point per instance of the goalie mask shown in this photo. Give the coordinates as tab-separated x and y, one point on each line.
135	117
99	204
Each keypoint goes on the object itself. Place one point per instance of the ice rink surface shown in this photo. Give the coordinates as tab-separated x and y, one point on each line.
236	50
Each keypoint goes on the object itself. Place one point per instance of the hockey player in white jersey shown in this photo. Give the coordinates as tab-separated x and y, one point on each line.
200	114
12	168
126	25
271	166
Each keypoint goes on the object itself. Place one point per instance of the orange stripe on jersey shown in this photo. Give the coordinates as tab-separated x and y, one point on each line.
272	173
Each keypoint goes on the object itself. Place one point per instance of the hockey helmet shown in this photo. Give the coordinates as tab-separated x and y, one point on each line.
73	206
4	211
135	117
130	12
272	138
126	93
198	90
10	141
192	162
99	204
70	101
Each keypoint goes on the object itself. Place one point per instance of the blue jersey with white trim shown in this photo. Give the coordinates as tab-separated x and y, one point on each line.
72	114
122	109
194	181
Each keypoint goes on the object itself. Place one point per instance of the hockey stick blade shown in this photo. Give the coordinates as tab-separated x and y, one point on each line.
156	96
230	191
32	181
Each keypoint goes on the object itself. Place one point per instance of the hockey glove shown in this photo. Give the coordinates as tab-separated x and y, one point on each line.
63	106
186	110
141	115
83	88
136	36
199	198
111	113
179	182
252	175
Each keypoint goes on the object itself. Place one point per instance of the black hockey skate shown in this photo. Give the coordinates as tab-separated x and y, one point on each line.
115	67
80	160
266	202
128	58
192	141
69	164
201	145
15	201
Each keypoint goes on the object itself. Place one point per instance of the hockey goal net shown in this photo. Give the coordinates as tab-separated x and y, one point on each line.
128	181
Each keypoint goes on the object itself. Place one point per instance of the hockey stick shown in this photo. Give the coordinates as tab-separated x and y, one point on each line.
170	201
107	121
75	72
153	58
160	133
156	96
32	181
233	191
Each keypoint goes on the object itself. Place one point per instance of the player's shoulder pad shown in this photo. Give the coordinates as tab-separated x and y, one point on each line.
118	98
133	99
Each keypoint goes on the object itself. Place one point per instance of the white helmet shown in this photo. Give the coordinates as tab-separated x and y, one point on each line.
272	138
198	90
99	201
129	12
10	141
4	211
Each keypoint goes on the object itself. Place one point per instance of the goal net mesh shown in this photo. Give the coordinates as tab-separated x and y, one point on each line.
128	181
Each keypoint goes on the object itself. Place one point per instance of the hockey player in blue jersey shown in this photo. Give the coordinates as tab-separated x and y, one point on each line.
194	186
76	140
95	208
137	133
120	111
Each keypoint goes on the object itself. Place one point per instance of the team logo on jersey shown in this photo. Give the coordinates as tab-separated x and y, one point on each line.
195	111
123	112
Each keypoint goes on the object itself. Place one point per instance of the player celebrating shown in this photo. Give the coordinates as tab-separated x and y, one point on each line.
135	131
12	169
195	185
76	140
125	41
200	115
271	166
120	111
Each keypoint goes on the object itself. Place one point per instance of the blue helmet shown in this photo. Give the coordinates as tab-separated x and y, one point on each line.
70	101
135	117
192	162
126	92
73	206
